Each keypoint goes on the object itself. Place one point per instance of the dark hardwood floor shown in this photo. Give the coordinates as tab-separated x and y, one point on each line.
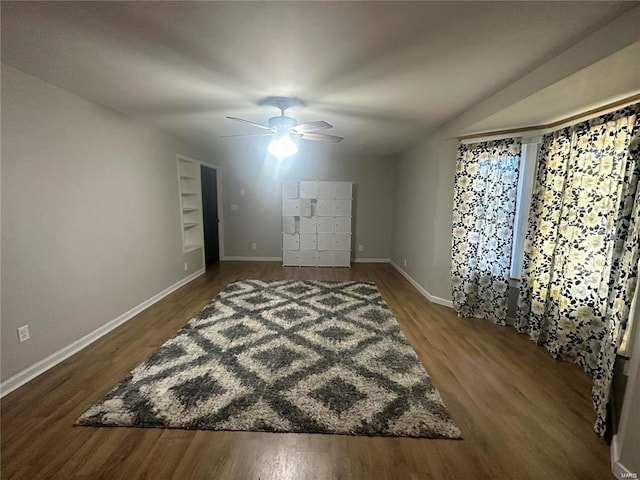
523	415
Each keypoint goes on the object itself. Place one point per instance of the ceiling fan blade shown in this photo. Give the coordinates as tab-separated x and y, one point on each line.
249	135
250	123
311	127
320	137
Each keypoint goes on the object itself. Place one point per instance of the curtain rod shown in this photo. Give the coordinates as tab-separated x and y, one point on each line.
593	111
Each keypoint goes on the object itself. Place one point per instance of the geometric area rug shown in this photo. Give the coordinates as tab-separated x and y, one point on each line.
284	356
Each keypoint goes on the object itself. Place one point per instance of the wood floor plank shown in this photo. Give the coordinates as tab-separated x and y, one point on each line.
523	414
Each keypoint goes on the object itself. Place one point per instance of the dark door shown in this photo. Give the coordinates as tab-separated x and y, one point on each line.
210	214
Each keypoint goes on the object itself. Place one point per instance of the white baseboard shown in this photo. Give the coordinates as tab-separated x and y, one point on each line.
427	295
618	469
52	360
279	259
252	259
370	260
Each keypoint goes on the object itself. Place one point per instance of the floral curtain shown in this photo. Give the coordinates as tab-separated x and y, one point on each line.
581	254
483	215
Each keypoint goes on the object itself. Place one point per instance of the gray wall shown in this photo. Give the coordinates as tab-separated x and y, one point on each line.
258	217
90	216
414	208
422	214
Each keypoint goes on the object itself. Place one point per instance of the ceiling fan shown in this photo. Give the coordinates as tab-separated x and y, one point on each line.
285	128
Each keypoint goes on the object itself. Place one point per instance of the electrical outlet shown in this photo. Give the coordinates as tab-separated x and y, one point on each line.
186	266
23	333
254	246
404	262
360	248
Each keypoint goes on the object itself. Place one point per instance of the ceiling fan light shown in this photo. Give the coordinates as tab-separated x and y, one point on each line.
282	147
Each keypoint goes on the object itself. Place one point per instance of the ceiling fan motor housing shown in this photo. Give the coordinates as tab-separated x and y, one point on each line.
282	124
286	127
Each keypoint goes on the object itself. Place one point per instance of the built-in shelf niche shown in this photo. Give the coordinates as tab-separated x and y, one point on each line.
190	204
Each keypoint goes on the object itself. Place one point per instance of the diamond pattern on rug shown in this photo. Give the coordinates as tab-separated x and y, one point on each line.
278	358
285	356
196	389
338	395
237	331
233	332
315	394
337	334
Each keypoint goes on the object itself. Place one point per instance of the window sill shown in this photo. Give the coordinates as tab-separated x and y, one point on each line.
624	355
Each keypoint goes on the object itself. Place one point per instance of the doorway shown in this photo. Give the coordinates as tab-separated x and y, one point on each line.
210	220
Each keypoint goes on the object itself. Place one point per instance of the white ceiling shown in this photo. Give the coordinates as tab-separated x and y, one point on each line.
383	73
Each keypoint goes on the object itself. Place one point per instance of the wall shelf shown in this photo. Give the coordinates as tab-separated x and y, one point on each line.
190	204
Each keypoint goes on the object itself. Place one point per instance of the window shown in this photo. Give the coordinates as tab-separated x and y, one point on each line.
528	162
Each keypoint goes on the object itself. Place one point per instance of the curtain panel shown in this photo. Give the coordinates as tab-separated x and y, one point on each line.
483	216
580	261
